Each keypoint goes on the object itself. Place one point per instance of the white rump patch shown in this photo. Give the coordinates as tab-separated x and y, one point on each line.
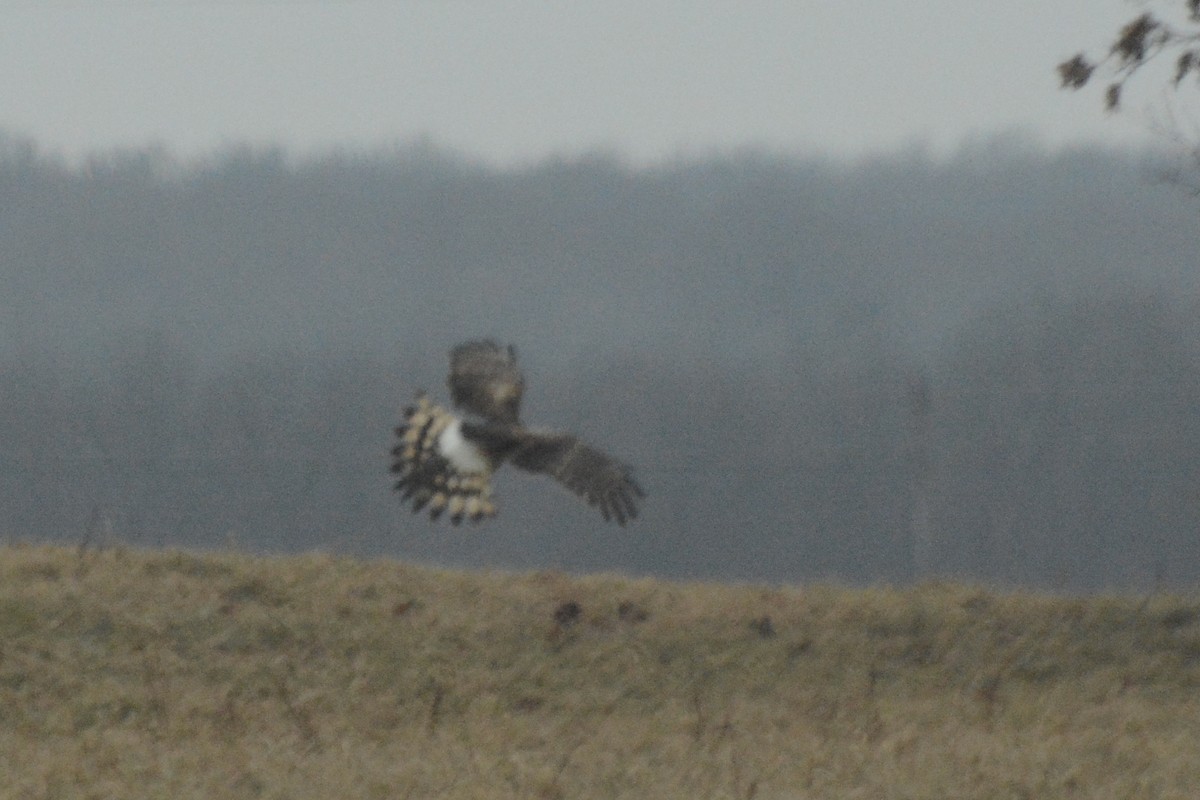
462	455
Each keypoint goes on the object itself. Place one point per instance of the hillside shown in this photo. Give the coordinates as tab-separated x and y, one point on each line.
130	673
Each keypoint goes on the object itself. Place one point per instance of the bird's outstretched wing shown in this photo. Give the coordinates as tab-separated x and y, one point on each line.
592	474
427	475
484	380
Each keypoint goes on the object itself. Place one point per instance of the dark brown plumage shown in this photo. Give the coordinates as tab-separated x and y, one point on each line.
445	462
484	380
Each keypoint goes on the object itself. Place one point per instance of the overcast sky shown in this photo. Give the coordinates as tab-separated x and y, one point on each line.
514	81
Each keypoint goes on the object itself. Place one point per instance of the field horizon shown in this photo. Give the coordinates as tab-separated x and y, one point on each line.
171	673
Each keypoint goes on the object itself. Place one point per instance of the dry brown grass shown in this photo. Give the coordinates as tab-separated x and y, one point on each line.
128	674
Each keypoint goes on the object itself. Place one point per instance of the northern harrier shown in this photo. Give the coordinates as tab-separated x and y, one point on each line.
445	462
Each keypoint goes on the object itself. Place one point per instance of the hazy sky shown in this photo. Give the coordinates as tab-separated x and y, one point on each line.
513	81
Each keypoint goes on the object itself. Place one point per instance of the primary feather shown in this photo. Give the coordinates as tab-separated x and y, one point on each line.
592	474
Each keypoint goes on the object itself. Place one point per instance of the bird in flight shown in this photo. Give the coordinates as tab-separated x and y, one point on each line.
444	461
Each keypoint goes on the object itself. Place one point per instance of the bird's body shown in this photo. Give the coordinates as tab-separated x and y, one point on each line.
463	454
445	462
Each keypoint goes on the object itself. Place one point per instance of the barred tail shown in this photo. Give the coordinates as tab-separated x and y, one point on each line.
425	478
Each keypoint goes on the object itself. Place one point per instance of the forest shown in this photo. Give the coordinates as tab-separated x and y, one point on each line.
982	367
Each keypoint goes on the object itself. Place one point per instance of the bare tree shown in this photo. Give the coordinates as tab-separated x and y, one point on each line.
1143	39
1172	33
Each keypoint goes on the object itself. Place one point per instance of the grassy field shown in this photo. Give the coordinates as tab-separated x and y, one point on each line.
128	674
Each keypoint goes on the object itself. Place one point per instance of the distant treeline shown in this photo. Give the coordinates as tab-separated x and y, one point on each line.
986	367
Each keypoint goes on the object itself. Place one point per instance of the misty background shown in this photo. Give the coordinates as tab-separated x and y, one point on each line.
981	366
